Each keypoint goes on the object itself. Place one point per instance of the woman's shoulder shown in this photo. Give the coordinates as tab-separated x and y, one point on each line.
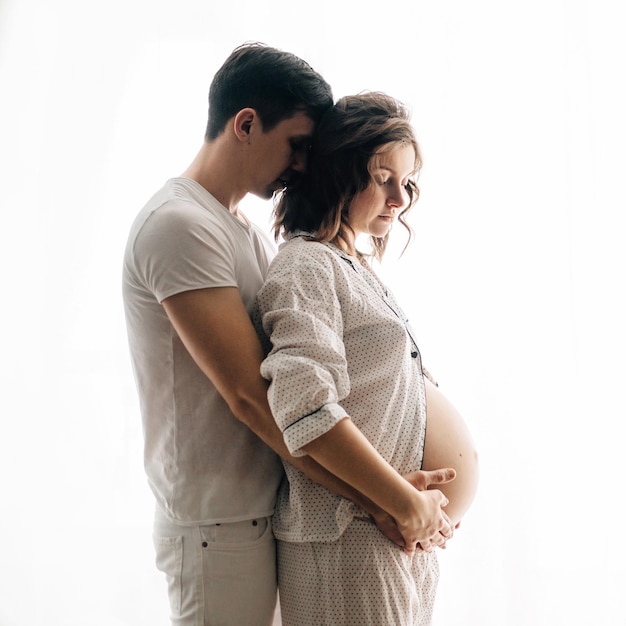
303	249
304	255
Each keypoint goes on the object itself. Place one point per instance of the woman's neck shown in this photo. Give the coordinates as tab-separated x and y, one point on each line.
345	242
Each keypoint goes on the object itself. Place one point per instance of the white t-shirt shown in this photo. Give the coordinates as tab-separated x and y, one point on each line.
203	465
341	346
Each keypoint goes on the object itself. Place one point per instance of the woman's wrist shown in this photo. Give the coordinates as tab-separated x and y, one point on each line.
407	505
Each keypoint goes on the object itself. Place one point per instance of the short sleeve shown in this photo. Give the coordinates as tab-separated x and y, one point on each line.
299	309
183	247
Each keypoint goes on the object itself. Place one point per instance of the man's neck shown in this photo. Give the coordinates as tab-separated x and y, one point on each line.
212	169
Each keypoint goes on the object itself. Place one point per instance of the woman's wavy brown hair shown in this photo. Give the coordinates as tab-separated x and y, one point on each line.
347	137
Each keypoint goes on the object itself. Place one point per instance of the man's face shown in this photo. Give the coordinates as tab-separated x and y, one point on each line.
280	153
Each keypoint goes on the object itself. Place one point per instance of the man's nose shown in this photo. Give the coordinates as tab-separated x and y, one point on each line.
300	161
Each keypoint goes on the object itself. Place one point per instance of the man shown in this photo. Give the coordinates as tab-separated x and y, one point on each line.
192	268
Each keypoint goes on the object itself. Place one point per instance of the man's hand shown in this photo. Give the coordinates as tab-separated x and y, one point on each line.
387	526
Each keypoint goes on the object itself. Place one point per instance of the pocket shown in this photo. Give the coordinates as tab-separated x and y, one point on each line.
244	535
240	564
169	560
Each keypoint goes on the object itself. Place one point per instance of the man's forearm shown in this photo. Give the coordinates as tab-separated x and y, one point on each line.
258	417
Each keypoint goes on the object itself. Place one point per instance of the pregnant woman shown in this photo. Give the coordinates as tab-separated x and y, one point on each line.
347	383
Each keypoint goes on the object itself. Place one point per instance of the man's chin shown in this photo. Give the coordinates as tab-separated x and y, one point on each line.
269	192
263	194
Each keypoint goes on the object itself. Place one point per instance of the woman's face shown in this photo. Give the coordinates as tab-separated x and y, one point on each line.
373	210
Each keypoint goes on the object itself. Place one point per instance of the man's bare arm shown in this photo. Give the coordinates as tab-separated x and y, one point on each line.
215	328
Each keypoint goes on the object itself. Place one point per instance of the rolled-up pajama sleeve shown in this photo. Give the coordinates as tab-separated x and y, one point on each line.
300	313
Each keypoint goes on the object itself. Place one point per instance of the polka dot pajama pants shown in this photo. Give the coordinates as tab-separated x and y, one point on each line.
359	580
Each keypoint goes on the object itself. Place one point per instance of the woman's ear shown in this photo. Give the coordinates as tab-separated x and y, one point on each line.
243	123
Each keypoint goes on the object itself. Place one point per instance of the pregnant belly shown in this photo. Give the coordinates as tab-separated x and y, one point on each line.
449	444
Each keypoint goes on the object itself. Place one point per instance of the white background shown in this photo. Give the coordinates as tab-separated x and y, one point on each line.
514	282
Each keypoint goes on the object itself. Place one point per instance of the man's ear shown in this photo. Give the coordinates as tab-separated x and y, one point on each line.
244	122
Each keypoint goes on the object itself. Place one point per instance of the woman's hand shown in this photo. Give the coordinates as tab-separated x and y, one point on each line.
428	479
423	479
425	523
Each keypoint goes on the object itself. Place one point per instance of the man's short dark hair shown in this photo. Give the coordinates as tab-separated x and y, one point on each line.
275	83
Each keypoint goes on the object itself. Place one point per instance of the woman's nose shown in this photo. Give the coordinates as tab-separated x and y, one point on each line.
398	196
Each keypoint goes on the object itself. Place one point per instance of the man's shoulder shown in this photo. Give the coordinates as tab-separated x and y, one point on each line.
177	201
175	210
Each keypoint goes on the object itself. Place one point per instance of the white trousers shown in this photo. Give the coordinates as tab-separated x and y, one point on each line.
218	575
